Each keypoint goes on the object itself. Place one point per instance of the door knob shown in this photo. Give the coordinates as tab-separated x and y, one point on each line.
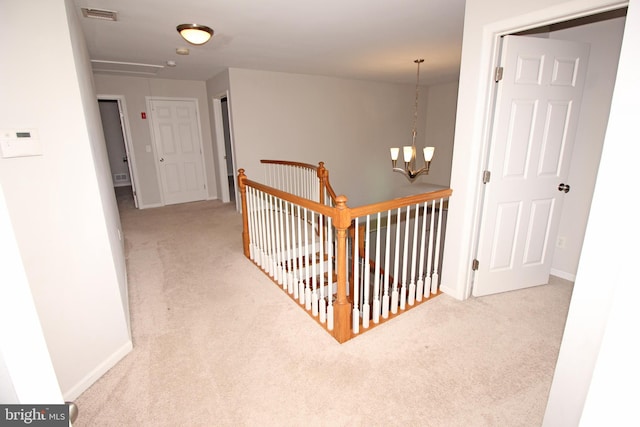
564	187
162	160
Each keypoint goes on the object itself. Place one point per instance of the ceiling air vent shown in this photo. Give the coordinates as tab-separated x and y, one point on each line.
105	15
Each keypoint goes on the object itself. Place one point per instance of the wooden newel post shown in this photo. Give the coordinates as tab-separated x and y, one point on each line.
245	213
322	178
342	307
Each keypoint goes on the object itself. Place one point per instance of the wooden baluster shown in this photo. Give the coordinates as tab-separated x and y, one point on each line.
366	275
356	280
314	260
300	258
435	279
283	246
322	304
270	237
251	211
266	199
376	278
264	257
307	275
396	265
385	283
420	284
330	274
261	229
412	279
427	281
283	250
277	233
294	252
405	259
289	247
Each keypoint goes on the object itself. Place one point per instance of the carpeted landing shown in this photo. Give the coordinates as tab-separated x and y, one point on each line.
216	343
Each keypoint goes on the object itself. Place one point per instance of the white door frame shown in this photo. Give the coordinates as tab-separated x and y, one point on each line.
148	101
128	147
491	44
219	134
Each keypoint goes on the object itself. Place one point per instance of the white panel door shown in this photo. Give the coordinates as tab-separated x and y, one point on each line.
179	150
535	120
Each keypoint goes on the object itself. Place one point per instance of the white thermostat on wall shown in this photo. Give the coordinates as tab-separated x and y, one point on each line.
19	143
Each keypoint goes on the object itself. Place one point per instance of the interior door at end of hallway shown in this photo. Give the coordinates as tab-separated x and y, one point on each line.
534	126
179	148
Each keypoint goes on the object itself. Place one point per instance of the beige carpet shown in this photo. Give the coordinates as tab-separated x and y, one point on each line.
216	343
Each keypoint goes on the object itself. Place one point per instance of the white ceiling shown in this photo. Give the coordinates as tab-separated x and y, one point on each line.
357	39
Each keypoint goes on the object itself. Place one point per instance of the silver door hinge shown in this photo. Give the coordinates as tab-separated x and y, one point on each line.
475	264
498	74
486	177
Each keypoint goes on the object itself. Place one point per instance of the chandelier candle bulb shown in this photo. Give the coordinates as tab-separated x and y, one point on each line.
428	153
407	150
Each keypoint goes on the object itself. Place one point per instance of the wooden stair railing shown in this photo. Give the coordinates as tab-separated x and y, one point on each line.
278	178
347	311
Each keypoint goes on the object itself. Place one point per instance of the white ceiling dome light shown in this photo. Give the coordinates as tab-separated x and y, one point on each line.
194	33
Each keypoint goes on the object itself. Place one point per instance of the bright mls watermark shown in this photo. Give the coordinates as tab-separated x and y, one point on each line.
34	415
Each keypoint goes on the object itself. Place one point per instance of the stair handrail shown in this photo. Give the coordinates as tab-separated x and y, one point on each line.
321	172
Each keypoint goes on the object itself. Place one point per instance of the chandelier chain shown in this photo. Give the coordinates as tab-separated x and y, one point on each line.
415	109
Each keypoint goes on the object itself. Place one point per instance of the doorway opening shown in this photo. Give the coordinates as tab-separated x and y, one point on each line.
121	161
225	149
224	102
603	32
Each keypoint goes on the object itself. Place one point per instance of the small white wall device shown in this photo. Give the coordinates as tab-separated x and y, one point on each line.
19	143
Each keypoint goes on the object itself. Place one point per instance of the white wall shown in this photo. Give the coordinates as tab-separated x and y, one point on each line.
26	372
108	209
441	102
605	296
348	124
135	90
61	204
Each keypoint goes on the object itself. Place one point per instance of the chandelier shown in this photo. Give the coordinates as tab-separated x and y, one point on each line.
409	151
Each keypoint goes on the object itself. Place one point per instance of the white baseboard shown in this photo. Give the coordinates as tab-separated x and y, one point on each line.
152	205
100	370
563	275
452	292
